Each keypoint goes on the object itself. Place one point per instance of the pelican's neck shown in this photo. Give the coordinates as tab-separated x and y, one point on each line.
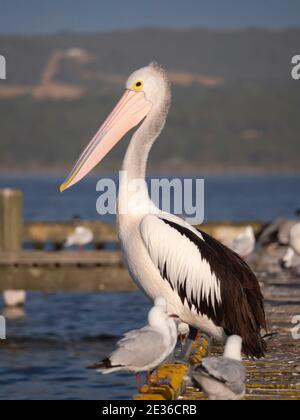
135	161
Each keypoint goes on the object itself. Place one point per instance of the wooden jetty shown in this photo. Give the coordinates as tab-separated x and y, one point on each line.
100	269
276	377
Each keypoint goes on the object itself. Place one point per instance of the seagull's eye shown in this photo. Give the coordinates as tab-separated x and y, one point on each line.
138	85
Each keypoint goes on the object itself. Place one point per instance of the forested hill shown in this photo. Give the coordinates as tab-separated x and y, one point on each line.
234	101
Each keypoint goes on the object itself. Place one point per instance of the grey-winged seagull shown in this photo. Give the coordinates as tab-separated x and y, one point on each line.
144	349
223	378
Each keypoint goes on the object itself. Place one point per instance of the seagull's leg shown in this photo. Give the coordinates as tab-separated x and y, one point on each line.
157	376
148	377
181	340
187	349
138	380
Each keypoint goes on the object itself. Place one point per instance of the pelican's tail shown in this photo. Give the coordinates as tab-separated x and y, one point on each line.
254	346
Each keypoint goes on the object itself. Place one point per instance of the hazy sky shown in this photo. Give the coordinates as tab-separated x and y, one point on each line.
40	16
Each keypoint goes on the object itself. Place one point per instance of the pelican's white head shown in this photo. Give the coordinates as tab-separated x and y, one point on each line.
145	90
152	81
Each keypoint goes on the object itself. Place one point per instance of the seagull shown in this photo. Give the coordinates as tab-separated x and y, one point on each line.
204	283
244	243
223	378
144	349
180	330
291	262
80	238
278	231
287	261
294	238
173	320
14	298
275	232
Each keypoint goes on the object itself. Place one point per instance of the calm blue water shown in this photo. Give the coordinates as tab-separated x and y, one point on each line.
48	349
236	197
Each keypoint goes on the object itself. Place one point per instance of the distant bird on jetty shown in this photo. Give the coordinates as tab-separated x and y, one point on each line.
291	260
294	238
80	238
223	378
144	349
278	231
14	298
275	232
287	260
244	243
207	285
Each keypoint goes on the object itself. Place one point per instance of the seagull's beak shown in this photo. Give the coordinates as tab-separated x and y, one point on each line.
132	108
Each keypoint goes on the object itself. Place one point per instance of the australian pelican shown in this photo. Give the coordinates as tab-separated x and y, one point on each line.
207	285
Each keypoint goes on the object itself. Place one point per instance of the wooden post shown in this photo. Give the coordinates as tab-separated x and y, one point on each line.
11	220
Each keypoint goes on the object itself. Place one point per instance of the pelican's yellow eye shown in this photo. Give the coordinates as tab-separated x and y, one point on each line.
138	85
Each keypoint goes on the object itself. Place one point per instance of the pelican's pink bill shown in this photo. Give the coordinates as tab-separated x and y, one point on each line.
132	108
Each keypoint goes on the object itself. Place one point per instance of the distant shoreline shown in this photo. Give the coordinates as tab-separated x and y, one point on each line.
150	28
170	169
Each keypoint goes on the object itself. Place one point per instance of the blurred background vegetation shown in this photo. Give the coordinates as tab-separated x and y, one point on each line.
235	104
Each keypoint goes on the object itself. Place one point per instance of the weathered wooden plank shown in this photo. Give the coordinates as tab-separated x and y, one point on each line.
69	278
61	258
41	232
64	271
11	223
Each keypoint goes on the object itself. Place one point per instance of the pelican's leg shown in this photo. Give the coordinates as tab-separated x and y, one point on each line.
188	346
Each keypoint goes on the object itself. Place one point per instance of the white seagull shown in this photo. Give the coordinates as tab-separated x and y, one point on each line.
207	285
81	237
291	260
144	349
173	321
14	298
294	238
244	243
223	378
